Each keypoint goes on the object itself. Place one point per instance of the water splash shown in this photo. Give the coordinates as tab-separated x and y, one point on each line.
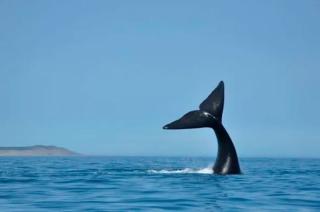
207	170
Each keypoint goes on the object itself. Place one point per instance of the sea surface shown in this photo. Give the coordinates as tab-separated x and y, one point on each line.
156	184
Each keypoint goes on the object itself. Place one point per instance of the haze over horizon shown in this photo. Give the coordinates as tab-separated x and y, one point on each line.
103	77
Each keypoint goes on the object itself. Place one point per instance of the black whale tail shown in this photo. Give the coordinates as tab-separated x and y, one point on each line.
209	115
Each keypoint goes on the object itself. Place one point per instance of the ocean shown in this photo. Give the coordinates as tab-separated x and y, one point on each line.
156	184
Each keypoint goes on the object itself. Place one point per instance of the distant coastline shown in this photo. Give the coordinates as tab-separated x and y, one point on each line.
36	150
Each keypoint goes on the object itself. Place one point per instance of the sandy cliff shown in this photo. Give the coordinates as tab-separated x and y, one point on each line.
38	150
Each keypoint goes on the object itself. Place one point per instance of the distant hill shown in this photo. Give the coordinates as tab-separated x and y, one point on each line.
37	150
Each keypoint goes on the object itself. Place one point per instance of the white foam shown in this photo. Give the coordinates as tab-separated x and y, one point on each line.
207	170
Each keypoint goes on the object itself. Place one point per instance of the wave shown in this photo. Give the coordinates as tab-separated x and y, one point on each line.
207	170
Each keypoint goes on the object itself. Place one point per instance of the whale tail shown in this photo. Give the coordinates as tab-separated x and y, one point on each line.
210	112
210	115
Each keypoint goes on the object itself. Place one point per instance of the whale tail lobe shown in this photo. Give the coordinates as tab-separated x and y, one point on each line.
213	104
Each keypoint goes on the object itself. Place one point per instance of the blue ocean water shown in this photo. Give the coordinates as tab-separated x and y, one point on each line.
156	184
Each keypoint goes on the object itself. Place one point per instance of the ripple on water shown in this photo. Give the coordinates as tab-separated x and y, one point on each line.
139	183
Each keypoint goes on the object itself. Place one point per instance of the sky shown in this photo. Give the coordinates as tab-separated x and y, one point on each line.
103	77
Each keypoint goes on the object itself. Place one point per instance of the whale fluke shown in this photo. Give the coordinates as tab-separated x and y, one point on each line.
213	104
210	115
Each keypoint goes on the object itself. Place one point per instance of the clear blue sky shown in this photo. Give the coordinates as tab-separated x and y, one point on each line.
103	77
